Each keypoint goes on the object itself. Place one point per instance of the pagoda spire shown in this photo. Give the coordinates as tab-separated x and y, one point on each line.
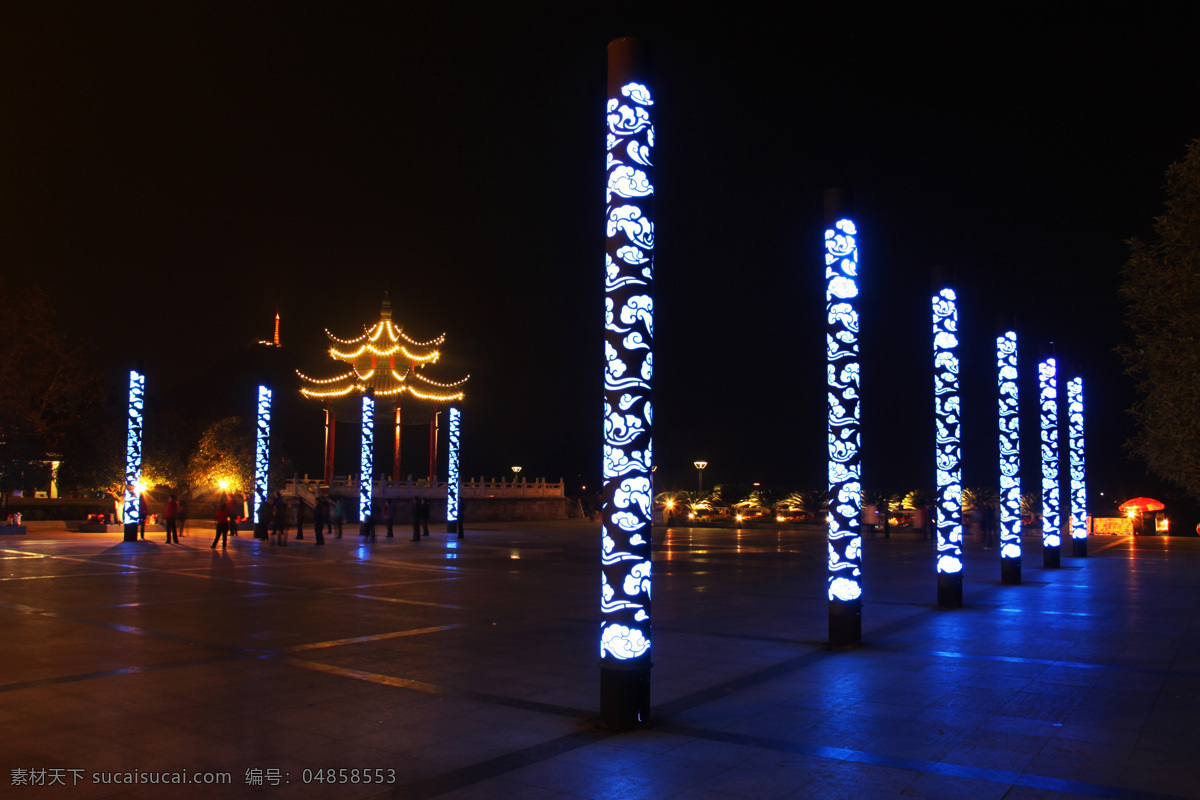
385	312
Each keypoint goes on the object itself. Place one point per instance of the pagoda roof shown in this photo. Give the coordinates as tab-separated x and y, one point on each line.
386	359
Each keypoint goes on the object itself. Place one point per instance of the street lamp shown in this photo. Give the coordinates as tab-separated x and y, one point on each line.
700	465
515	470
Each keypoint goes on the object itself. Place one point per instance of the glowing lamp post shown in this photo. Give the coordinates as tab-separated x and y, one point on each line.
628	370
452	486
366	467
133	455
948	510
700	465
1079	531
262	456
1051	519
844	572
1010	459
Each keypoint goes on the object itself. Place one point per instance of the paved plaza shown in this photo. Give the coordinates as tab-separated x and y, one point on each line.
468	669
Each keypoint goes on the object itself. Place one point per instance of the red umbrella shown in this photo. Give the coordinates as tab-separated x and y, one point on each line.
1141	504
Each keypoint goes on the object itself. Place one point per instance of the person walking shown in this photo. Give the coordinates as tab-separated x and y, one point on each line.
339	515
234	512
424	517
181	513
143	513
222	512
170	512
319	518
416	519
389	515
279	513
989	525
298	517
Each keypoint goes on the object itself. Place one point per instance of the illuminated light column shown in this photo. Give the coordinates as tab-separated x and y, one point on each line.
1051	519
452	487
947	417
628	370
844	572
366	464
1079	531
1010	459
262	453
133	455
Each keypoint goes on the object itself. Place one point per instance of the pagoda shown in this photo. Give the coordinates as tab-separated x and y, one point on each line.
384	359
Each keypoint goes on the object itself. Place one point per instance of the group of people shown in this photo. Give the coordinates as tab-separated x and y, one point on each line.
328	514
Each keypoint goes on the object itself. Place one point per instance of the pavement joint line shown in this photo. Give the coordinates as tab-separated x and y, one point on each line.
87	676
916	765
493	767
68	575
425	603
376	637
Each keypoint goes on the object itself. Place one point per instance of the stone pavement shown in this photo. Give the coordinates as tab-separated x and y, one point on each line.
468	669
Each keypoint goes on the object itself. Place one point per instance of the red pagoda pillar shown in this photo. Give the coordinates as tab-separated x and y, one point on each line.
330	427
396	446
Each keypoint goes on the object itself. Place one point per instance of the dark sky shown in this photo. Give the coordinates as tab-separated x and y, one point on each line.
178	172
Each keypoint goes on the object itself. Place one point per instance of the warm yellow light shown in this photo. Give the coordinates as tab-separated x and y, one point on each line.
670	504
739	517
779	519
691	516
1131	513
223	484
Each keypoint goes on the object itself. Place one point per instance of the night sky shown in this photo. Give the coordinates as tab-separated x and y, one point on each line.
177	173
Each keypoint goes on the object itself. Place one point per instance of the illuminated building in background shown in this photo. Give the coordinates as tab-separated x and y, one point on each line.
452	485
1051	519
367	457
393	364
624	640
947	418
262	453
844	571
133	453
1010	459
1079	531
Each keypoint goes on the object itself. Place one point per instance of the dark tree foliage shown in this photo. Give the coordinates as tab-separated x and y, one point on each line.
46	387
1162	290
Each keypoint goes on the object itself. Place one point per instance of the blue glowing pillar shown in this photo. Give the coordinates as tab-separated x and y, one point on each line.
948	504
1010	459
842	403
1051	518
262	454
452	484
628	370
366	466
1079	530
133	455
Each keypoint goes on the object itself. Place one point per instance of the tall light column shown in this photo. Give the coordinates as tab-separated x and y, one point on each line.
1010	459
628	370
1051	518
1079	531
366	465
133	455
262	453
947	417
452	486
844	573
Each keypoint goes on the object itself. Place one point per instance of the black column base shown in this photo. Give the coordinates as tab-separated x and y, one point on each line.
459	527
624	698
131	531
1010	571
1079	547
451	526
845	623
949	590
1052	557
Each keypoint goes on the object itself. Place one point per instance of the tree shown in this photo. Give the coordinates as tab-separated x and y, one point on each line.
224	456
1161	288
45	387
